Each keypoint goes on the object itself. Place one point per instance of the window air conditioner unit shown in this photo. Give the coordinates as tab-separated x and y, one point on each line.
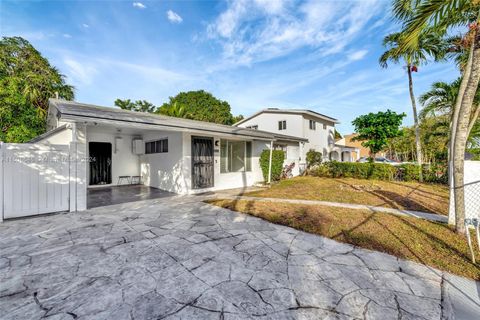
138	146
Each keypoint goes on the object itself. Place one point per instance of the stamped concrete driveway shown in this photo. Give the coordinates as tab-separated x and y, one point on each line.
179	258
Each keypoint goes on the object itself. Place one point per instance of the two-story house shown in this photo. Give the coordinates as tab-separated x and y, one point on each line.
319	129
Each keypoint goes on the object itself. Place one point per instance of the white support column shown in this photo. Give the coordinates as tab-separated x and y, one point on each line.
270	163
78	168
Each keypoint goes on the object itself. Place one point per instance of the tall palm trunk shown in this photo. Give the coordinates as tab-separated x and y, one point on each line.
453	129
461	135
415	121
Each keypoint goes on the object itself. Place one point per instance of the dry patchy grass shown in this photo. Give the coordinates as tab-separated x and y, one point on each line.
392	194
430	243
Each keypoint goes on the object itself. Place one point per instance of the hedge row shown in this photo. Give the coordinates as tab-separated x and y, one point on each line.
379	171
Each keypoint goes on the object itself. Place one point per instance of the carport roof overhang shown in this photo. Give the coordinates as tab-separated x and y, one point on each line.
91	114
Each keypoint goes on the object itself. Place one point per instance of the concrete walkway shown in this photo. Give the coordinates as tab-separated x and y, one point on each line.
179	258
410	213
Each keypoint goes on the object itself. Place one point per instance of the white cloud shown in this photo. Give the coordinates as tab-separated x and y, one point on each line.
174	17
66	35
85	25
139	5
257	30
79	72
357	55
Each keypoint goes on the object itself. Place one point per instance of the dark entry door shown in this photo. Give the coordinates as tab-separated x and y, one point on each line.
100	162
202	162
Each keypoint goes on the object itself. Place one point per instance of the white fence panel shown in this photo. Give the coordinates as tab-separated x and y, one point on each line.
35	179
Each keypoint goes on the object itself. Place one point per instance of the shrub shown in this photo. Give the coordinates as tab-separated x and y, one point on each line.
380	171
313	158
278	156
335	169
411	172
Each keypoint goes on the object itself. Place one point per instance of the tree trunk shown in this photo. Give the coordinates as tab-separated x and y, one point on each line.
461	135
453	128
415	121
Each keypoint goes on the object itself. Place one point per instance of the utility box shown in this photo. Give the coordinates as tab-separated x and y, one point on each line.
138	146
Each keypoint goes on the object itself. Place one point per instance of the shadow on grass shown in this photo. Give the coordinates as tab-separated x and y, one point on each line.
395	200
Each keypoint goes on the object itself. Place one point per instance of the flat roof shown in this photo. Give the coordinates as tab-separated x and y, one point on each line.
291	111
72	110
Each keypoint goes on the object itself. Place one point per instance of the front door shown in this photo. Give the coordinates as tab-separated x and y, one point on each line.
100	162
202	162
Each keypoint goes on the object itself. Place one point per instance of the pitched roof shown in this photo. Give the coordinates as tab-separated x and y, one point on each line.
71	110
290	111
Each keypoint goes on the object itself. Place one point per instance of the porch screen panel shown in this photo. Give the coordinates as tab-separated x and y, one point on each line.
235	156
202	162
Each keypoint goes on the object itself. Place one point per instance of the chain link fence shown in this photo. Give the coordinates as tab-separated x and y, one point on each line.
472	199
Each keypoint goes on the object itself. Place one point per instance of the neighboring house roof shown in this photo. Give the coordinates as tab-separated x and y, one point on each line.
290	111
70	110
48	134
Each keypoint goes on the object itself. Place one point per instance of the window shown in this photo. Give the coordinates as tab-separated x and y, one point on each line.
235	156
157	146
312	124
324	126
254	127
282	125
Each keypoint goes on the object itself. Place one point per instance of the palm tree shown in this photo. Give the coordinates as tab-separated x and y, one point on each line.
176	110
430	45
443	15
440	100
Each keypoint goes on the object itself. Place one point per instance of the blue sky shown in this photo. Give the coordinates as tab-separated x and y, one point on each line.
320	55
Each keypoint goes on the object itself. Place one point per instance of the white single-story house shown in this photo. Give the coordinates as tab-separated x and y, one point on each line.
177	155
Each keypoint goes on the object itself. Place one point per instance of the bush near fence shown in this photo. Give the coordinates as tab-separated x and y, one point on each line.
379	171
278	157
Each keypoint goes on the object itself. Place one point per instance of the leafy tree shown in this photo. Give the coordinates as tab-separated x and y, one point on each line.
138	106
200	105
429	45
444	16
374	129
238	118
27	81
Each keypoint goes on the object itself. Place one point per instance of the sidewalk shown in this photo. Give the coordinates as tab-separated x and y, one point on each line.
410	213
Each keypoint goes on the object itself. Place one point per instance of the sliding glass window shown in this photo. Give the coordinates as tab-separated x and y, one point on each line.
235	156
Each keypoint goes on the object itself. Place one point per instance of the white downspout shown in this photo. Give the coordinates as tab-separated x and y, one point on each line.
270	163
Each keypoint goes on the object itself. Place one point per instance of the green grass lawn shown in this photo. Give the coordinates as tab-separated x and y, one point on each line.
416	196
430	243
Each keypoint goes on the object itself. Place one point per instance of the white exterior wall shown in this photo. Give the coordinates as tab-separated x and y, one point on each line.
168	171
228	180
124	161
321	140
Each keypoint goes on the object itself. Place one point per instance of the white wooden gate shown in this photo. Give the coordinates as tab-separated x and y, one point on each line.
35	179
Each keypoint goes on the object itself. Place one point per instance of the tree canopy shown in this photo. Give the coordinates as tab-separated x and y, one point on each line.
375	129
199	105
27	81
138	106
